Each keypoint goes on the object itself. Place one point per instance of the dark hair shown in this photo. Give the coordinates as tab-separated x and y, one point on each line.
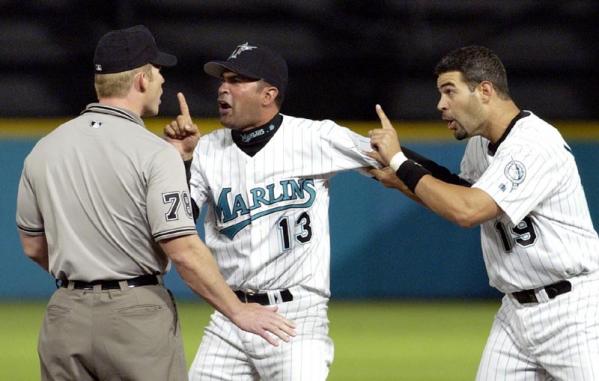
477	64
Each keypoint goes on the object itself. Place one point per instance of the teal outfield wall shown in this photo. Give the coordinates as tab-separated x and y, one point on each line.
383	245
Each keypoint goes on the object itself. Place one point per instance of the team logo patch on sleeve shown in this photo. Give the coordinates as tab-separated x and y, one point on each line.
95	124
515	172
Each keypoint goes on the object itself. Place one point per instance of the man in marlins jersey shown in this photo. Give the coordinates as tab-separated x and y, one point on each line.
98	207
265	180
538	240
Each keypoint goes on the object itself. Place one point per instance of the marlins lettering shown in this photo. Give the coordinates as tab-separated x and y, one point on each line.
285	192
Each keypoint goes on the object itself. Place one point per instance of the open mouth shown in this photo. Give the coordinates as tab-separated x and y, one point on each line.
223	106
451	123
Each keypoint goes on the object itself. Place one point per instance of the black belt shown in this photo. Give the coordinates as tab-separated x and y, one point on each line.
143	280
262	298
553	290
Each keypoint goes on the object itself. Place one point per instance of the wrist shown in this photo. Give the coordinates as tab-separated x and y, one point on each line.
410	173
236	312
397	160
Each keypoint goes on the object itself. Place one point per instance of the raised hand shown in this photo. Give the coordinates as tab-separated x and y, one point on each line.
265	322
384	140
182	132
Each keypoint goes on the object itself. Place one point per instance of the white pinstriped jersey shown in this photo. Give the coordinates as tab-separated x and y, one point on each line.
267	222
545	234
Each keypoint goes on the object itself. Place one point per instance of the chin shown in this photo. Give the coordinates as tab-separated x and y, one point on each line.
227	123
460	135
149	112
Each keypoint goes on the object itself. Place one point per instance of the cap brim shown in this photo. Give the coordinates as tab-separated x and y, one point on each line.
216	68
164	59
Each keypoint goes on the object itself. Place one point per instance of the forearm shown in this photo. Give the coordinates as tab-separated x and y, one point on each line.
438	171
199	271
201	274
42	261
462	205
36	249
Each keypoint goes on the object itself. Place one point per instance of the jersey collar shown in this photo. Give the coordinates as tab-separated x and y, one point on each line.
252	141
114	111
492	147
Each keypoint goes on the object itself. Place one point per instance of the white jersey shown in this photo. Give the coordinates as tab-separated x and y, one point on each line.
267	223
545	233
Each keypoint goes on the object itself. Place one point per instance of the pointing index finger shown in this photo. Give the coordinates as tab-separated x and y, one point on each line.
183	105
383	117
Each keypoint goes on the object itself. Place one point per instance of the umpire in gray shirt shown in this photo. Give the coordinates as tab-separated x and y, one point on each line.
103	205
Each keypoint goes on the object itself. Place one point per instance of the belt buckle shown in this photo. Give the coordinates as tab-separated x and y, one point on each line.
248	292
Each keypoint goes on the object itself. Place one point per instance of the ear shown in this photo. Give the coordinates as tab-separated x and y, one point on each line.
486	90
269	94
140	81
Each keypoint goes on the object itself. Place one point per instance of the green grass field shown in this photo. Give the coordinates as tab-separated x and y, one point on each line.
412	341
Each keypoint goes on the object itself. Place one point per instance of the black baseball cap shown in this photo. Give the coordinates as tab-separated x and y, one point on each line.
126	49
254	62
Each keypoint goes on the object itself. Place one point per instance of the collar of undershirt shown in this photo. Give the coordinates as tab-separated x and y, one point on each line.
252	141
492	148
114	111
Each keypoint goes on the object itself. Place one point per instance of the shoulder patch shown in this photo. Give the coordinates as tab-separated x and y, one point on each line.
515	171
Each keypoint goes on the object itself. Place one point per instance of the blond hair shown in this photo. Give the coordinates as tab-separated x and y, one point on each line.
118	84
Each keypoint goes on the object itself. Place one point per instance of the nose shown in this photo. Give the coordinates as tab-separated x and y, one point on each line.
162	80
442	104
223	88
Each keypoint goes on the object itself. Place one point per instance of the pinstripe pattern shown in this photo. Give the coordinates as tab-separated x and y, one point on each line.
227	353
550	194
555	339
267	225
545	235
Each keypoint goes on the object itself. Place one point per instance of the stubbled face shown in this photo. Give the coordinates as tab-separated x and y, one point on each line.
239	101
153	92
459	106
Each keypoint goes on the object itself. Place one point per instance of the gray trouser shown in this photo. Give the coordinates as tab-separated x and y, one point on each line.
124	334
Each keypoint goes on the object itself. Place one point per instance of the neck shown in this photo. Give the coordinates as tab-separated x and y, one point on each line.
499	120
265	117
124	103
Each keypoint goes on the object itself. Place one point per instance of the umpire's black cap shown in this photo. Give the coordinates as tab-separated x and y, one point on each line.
126	49
254	62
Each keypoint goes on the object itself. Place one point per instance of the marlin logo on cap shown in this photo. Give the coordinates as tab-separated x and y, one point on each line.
240	49
98	67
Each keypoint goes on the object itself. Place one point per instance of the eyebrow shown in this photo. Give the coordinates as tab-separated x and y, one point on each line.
446	84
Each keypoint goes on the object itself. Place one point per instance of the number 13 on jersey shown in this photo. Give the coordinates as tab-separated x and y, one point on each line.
300	229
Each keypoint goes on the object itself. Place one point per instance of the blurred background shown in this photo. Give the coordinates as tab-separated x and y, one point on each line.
343	57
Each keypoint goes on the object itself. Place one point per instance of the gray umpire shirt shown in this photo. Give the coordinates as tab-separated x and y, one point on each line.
104	190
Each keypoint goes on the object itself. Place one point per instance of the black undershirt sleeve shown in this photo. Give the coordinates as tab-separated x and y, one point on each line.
194	206
435	169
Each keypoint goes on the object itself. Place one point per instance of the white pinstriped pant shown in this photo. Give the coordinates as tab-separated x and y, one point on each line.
555	339
227	353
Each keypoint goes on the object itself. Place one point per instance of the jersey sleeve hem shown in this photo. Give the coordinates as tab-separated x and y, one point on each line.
174	233
31	231
505	208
